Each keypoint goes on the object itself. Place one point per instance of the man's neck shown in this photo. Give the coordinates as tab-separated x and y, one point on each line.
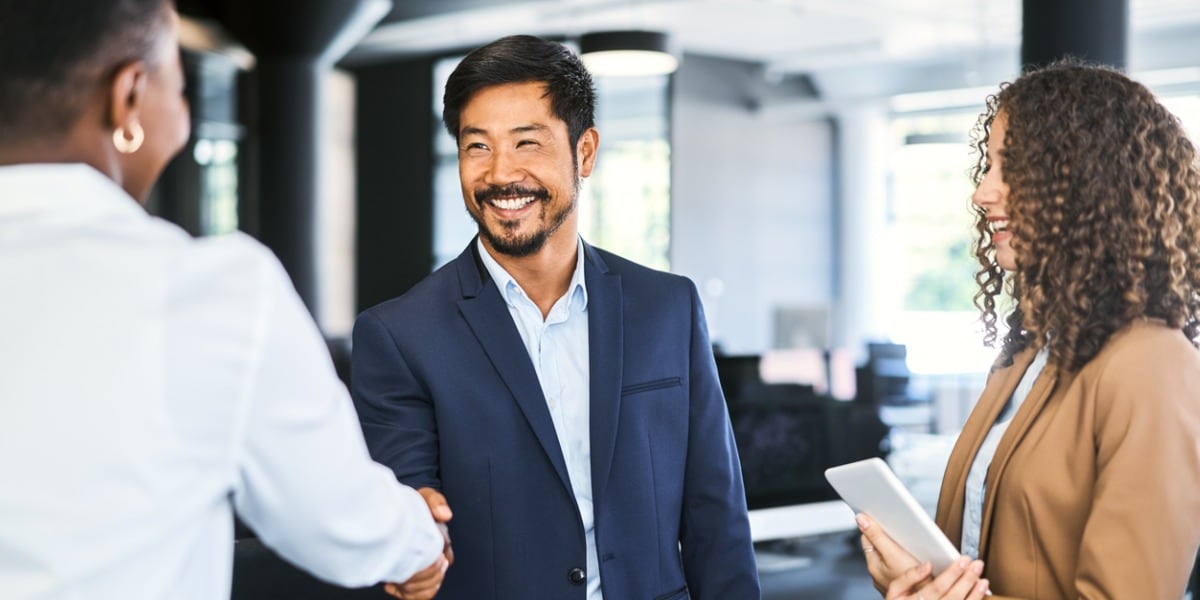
546	274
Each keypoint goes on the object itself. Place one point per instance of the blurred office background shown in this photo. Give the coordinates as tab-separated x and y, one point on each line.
806	165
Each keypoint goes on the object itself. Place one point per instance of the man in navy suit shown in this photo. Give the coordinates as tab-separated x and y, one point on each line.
564	400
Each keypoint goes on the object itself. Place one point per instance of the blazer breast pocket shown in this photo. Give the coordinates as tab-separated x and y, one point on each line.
649	386
680	594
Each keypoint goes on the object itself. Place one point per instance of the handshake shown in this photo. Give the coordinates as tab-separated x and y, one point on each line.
424	585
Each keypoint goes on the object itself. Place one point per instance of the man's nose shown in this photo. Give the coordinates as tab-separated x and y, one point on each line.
503	169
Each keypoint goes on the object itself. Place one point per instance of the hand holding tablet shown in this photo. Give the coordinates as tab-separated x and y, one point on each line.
869	486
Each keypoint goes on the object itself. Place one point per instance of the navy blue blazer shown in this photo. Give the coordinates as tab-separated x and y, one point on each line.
448	398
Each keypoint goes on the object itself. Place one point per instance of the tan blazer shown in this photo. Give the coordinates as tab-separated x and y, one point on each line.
1094	491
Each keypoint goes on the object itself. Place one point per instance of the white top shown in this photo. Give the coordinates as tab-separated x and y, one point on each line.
976	486
558	348
150	384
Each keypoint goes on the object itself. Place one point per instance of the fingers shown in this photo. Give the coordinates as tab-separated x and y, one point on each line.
875	536
875	566
867	547
886	560
423	585
905	585
971	584
447	549
959	580
438	507
980	591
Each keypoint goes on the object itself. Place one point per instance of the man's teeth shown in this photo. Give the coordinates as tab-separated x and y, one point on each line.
512	203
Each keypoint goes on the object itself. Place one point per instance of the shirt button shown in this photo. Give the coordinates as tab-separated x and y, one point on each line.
576	576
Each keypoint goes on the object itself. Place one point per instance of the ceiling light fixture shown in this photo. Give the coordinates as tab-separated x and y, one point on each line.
627	53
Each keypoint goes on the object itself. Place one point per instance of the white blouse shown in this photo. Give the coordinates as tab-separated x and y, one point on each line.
151	384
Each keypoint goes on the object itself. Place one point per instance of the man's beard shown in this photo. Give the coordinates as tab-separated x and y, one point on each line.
513	245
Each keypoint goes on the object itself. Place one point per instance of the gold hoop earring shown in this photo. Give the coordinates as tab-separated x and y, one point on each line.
130	144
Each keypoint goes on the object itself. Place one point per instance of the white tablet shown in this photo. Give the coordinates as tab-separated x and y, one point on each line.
869	486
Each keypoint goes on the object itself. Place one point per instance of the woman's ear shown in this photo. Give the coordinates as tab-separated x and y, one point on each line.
126	94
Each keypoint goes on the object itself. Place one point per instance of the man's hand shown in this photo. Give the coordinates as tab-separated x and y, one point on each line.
426	583
422	586
440	509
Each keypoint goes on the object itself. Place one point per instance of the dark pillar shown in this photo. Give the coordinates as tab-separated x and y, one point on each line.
287	92
1093	30
395	126
294	42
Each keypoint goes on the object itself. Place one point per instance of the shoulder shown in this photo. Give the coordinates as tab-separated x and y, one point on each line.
640	276
1145	348
437	292
1146	365
228	261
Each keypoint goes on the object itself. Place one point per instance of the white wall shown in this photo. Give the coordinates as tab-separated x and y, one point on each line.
752	210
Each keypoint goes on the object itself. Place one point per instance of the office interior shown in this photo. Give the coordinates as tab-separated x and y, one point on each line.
806	165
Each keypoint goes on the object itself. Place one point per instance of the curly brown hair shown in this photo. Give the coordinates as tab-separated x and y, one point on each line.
1104	211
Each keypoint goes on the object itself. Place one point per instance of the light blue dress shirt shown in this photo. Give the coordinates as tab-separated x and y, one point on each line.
558	348
976	487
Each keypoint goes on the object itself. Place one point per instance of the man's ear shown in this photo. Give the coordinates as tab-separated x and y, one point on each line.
585	149
126	93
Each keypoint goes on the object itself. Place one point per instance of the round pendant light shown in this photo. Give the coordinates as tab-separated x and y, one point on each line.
627	53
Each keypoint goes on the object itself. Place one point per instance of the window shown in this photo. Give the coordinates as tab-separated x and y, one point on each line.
625	206
931	219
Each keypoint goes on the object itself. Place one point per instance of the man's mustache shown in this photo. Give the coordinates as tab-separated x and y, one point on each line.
490	193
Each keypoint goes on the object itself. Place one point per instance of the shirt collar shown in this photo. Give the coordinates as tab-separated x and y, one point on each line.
75	189
577	289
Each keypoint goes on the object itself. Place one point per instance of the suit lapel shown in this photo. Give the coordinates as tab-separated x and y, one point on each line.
999	388
1039	394
487	315
605	356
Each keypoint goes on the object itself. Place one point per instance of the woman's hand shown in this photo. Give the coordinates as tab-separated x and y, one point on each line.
898	575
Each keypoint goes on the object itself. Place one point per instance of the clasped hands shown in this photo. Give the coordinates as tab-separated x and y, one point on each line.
426	582
898	575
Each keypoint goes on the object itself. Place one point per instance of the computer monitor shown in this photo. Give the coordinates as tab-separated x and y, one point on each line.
787	434
783	434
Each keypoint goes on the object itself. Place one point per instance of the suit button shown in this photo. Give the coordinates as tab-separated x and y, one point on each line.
576	576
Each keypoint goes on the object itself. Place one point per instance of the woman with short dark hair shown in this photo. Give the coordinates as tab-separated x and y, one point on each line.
151	383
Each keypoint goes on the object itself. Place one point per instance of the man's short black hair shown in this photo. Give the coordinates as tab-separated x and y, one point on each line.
53	53
521	59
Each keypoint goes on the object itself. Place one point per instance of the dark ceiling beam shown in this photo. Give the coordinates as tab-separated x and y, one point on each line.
1093	30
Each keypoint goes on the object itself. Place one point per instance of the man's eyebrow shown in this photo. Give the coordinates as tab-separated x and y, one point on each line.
533	127
536	127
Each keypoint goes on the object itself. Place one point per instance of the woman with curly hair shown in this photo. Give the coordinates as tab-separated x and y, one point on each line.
1077	475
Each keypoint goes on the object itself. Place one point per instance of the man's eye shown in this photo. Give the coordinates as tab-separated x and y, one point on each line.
475	148
527	144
